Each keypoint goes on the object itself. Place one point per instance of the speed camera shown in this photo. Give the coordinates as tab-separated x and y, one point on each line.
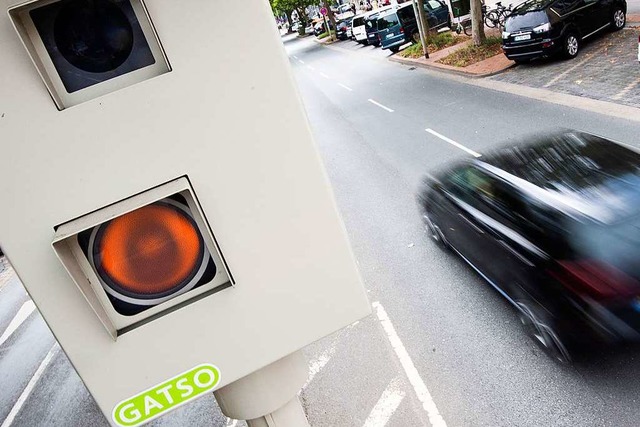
167	209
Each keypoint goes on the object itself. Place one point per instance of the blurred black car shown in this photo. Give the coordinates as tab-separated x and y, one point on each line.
554	226
538	28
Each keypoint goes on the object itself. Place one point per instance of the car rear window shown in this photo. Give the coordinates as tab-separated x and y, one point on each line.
387	21
358	22
371	23
525	21
406	13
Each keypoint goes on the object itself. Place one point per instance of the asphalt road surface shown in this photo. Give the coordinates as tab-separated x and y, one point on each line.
442	348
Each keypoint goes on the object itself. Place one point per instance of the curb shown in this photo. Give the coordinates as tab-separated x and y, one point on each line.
415	63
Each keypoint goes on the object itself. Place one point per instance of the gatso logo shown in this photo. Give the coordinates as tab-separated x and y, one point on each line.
164	397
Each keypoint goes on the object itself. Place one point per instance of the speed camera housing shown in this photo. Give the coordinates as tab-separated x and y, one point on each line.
166	207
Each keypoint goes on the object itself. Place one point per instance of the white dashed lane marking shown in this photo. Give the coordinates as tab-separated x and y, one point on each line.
452	142
380	105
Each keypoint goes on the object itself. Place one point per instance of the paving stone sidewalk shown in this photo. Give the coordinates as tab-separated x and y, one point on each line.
606	69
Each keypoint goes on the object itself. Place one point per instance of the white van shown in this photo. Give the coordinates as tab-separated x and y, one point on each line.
358	29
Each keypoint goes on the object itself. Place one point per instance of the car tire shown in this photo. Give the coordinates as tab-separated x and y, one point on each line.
540	327
395	49
435	233
618	19
571	45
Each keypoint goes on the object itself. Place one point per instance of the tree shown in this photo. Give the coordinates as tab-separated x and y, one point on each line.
331	16
289	6
423	24
477	24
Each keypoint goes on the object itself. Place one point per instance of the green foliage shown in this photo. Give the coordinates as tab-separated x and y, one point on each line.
288	6
325	35
436	42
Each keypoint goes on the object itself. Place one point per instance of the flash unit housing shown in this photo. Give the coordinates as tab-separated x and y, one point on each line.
84	49
129	281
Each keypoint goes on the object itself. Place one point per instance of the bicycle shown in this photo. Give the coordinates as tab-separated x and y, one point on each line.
465	25
496	17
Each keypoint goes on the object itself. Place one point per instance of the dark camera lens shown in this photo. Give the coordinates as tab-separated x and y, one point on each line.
93	35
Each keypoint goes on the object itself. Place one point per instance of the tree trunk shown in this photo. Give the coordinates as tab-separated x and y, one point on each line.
289	20
423	22
332	18
477	24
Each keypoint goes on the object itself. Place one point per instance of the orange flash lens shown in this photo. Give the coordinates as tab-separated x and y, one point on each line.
150	250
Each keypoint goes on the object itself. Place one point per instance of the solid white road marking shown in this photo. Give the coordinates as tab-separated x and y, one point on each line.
386	406
345	87
22	315
452	142
324	75
30	386
310	67
317	364
380	105
410	370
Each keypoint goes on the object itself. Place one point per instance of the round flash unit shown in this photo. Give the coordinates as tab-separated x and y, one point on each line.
150	255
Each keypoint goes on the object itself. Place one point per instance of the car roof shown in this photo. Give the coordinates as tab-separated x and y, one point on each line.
530	6
573	170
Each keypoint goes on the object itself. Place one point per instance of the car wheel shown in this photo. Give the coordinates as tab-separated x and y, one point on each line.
435	232
540	328
415	37
395	49
571	45
619	19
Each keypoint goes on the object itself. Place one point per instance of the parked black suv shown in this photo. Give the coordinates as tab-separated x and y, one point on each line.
540	28
554	226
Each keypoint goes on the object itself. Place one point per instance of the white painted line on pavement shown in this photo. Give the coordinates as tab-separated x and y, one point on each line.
416	381
568	70
301	61
310	67
386	406
380	105
231	422
317	364
324	75
345	87
626	90
452	142
30	386
22	315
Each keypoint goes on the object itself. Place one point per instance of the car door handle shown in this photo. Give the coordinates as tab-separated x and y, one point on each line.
515	253
468	221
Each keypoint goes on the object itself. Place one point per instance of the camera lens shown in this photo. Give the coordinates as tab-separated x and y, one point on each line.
93	35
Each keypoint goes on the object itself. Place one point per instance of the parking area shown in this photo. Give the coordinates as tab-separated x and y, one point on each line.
606	69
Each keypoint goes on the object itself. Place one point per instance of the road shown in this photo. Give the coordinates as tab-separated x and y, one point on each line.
441	348
462	337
